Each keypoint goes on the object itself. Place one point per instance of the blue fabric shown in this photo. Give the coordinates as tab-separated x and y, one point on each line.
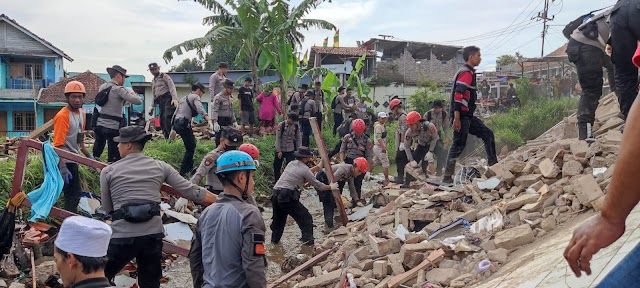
626	273
43	198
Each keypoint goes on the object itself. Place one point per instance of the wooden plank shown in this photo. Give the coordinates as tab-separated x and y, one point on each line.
301	268
327	168
41	130
432	259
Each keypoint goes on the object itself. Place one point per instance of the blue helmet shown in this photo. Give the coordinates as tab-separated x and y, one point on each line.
234	161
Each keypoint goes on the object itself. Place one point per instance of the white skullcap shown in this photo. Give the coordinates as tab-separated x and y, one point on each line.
383	115
83	236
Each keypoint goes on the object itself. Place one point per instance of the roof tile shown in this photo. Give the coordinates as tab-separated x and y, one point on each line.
55	92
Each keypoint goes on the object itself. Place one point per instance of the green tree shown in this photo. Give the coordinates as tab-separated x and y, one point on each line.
423	98
188	65
508	59
224	53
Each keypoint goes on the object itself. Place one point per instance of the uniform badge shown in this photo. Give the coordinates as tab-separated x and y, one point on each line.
258	244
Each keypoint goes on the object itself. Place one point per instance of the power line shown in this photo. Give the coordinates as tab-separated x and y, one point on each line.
491	34
506	38
514	21
544	16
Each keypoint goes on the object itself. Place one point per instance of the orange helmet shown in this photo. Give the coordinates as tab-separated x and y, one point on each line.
413	117
358	126
75	87
250	149
362	164
394	103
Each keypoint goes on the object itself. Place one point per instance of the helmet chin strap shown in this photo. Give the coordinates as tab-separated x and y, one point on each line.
245	196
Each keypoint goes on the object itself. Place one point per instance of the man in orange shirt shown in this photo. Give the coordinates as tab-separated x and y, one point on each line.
68	127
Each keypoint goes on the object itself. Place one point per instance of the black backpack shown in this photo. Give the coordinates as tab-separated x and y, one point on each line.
303	106
429	117
334	103
103	96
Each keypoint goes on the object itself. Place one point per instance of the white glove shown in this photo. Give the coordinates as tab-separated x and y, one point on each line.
367	176
334	186
414	164
175	103
321	165
211	127
257	163
181	204
401	148
429	156
216	127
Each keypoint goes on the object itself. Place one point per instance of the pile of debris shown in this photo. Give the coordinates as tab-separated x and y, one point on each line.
457	237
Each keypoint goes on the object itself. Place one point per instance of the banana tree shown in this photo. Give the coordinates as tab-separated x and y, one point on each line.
358	84
245	27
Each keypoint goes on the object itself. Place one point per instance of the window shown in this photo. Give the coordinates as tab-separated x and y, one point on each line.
37	72
24	121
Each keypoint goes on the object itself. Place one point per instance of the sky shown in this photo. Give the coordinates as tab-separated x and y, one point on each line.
100	33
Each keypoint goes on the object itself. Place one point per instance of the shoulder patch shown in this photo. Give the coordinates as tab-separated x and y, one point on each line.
258	244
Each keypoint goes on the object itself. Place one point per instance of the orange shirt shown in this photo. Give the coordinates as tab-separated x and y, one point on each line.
61	126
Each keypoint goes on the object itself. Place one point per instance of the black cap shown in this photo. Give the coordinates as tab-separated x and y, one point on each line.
311	94
293	116
318	83
119	69
196	86
233	135
341	89
304	86
228	83
437	104
223	65
153	66
248	79
303	152
349	89
132	134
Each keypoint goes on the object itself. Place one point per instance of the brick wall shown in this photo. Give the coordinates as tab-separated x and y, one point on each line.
406	69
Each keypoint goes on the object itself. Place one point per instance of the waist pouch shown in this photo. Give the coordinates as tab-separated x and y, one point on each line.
285	195
181	124
137	213
225	121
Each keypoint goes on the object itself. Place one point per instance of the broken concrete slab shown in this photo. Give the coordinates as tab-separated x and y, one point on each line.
322	281
572	168
385	246
579	148
445	196
587	190
514	166
549	169
611	124
442	276
423	215
490	184
522	200
499	255
380	269
514	237
527	180
549	224
552	149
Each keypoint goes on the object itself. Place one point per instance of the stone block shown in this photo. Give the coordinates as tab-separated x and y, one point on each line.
514	166
17	285
514	237
572	168
470	215
552	149
321	281
507	178
587	190
423	215
433	226
526	180
549	169
384	246
579	148
499	255
380	269
445	196
365	265
45	270
522	200
442	276
361	253
549	224
409	249
396	268
598	204
488	245
402	217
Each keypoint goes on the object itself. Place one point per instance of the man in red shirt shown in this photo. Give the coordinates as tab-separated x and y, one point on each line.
463	104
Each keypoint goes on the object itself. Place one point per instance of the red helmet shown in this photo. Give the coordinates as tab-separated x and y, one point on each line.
362	164
250	149
394	103
358	126
413	117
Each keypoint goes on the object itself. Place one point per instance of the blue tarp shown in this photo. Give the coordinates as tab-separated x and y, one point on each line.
43	198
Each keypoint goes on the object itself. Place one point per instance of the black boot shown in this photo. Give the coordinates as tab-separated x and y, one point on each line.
582	131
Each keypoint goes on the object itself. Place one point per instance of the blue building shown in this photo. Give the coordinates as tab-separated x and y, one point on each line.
27	64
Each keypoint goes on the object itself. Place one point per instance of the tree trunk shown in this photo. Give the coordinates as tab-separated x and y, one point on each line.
285	93
254	72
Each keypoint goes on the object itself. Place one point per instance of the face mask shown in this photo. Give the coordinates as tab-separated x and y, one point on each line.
229	148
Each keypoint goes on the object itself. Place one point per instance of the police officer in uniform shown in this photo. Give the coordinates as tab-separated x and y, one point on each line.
288	139
165	95
401	158
297	96
222	112
321	105
426	137
189	107
308	110
228	247
354	145
230	139
130	190
342	173
441	119
286	197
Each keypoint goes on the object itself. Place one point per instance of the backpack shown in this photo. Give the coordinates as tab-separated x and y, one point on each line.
103	96
444	116
334	103
344	128
295	141
303	105
292	96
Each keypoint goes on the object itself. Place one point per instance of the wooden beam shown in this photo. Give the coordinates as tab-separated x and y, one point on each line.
327	168
432	259
301	268
41	130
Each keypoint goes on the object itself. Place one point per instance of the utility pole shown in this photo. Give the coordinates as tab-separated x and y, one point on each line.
544	16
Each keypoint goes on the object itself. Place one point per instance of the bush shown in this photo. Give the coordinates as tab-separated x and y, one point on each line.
423	98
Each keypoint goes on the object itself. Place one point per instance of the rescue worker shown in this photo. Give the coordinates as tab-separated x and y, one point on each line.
81	265
349	104
288	139
380	145
230	139
222	112
343	130
425	135
297	96
463	105
130	191
165	96
337	110
286	197
307	110
355	145
440	118
247	111
321	105
396	108
189	107
342	173
228	247
110	119
217	79
68	134
625	34
588	54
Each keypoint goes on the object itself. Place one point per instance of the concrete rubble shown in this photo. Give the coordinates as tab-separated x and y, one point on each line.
528	194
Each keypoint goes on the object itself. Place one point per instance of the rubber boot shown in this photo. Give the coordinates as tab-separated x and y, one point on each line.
582	131
590	138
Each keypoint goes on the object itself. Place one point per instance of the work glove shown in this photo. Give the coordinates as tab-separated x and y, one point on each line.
174	103
367	176
321	165
181	205
257	163
401	148
429	156
65	173
334	186
211	127
414	164
216	127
